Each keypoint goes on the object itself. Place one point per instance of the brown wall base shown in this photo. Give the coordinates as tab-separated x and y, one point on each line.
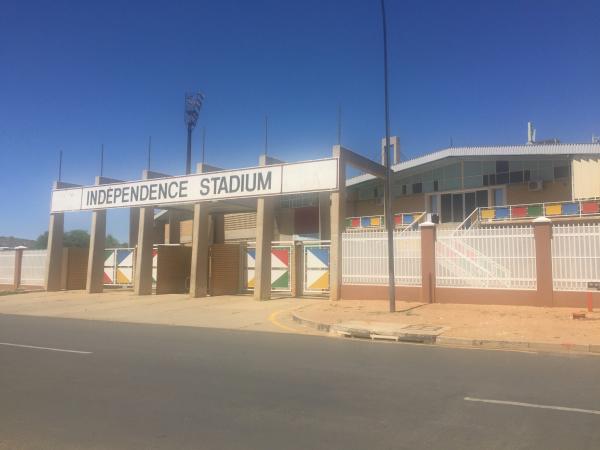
471	296
367	292
575	299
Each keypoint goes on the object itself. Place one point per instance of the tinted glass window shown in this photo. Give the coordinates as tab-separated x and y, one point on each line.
501	166
561	171
516	177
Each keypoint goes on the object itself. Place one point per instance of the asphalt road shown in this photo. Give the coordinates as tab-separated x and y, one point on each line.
155	386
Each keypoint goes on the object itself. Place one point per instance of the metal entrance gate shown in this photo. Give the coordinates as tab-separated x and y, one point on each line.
316	266
118	266
281	257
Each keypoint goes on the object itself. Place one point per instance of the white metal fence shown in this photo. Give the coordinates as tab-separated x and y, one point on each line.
575	256
499	257
364	257
33	267
7	267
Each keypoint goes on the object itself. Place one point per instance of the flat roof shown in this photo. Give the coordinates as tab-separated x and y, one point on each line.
485	151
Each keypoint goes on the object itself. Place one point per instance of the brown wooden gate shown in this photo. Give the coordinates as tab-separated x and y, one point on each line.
173	269
224	269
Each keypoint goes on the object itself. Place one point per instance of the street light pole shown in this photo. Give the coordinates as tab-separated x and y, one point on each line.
387	202
193	104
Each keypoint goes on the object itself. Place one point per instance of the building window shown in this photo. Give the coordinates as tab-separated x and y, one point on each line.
516	177
403	189
417	188
561	171
499	197
501	166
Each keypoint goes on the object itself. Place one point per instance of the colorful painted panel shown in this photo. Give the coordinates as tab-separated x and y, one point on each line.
109	267
553	210
154	264
124	266
250	265
118	266
316	268
488	214
570	209
518	212
590	208
502	213
534	210
280	268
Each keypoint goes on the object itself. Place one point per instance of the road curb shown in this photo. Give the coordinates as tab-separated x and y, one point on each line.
311	323
446	341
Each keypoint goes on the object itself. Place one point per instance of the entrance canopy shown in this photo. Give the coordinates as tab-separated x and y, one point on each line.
276	179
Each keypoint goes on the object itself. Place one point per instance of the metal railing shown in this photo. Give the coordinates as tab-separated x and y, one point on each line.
7	266
502	257
575	256
33	267
364	257
401	221
575	208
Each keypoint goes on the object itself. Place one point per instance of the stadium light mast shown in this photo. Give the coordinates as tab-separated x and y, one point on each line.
387	201
193	104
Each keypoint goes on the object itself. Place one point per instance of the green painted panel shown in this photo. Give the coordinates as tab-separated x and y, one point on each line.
282	282
534	211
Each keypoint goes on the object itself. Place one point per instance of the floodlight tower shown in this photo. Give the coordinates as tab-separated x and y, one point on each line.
193	104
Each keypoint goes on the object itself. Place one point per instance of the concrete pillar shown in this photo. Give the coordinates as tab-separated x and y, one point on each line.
218	228
56	230
338	223
64	274
199	268
324	219
134	225
143	257
427	262
18	267
174	236
542	229
298	268
265	207
95	270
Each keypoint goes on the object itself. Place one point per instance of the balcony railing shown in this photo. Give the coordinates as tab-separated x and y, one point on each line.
401	221
577	208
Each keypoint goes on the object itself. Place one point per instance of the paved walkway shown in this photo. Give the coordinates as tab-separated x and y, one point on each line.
227	311
473	322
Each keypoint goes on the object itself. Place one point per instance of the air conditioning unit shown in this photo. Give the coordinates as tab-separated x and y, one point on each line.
537	185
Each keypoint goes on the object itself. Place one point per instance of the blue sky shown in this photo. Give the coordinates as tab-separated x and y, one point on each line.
74	75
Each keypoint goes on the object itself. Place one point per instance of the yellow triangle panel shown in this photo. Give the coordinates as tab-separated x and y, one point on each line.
322	282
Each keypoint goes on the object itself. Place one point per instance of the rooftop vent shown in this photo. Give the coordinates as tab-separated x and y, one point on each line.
530	133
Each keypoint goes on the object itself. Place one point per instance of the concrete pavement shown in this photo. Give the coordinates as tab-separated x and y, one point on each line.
507	327
226	311
153	387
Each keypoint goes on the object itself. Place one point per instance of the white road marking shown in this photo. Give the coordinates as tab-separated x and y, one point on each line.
532	405
8	344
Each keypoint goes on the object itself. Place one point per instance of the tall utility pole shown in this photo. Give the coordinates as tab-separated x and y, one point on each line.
149	152
102	160
266	134
203	143
193	104
389	218
339	125
60	165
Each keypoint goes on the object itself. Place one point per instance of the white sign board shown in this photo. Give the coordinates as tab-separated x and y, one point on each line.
321	175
